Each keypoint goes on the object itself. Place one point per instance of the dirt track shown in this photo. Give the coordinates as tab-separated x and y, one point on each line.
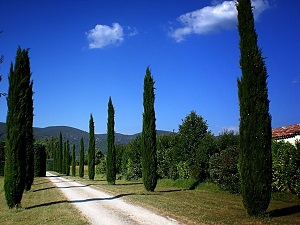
102	208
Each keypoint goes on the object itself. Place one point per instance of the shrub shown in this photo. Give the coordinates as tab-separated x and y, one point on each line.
224	171
286	167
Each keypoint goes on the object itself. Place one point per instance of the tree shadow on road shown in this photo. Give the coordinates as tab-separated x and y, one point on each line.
79	201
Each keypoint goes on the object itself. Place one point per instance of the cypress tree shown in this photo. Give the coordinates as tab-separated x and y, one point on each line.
110	145
39	160
64	159
67	158
91	150
17	129
81	158
73	162
28	124
255	159
60	154
149	158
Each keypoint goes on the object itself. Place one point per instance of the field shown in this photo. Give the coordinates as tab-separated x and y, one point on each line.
44	204
205	205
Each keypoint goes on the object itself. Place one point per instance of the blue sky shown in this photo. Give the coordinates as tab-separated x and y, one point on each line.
83	51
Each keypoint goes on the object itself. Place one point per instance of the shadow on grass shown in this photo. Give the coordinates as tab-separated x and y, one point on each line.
47	204
194	185
285	211
43	189
129	184
170	191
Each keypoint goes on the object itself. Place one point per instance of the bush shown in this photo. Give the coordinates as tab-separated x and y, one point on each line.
223	170
101	166
183	170
286	167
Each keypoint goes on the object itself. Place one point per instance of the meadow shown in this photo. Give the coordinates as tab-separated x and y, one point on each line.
207	204
43	204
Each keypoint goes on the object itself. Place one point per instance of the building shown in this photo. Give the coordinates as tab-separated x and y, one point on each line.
288	133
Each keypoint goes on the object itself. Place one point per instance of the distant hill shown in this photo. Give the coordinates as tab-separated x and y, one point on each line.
74	135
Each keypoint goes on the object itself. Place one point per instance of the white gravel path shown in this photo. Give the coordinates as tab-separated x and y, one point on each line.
102	208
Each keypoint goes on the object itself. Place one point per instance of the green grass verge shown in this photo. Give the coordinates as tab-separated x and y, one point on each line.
44	204
207	204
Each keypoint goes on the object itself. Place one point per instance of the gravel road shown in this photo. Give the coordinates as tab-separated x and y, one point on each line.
102	208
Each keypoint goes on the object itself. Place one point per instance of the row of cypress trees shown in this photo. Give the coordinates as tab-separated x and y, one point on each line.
255	127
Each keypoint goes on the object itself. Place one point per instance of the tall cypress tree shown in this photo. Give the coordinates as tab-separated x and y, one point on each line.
18	129
110	145
67	161
91	150
81	158
60	154
73	161
63	169
255	159
149	158
28	111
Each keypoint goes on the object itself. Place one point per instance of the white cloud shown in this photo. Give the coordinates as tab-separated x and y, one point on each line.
212	18
132	31
103	35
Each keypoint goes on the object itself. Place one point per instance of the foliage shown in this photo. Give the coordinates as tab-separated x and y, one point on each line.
81	158
101	166
286	167
2	157
39	160
110	145
207	147
73	161
255	161
18	121
91	150
191	131
60	154
164	146
67	158
131	160
120	149
148	146
224	171
226	140
98	156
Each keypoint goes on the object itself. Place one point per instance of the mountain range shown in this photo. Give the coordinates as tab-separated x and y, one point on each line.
74	135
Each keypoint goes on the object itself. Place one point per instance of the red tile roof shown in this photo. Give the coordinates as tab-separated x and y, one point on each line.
286	132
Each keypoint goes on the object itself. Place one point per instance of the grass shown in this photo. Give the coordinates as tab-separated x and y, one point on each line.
207	204
44	204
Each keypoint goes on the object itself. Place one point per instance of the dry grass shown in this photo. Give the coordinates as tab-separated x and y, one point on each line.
44	204
205	205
